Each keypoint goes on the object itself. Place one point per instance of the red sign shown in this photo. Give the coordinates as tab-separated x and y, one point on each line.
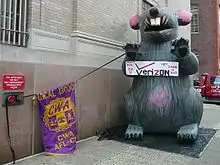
13	82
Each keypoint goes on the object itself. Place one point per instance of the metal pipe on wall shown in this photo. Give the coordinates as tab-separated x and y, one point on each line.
33	125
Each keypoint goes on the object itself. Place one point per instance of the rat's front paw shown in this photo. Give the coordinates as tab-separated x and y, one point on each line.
180	47
131	50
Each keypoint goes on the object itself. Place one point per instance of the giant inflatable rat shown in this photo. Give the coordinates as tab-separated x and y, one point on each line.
162	104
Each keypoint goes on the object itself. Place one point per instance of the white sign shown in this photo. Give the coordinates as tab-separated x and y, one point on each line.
152	68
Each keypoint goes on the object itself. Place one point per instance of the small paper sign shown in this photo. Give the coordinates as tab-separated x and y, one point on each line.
152	68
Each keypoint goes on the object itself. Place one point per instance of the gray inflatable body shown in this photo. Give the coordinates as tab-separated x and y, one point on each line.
162	104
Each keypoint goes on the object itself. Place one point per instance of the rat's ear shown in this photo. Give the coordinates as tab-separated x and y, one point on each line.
184	17
135	22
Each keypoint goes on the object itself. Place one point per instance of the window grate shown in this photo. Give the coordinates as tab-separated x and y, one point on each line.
13	23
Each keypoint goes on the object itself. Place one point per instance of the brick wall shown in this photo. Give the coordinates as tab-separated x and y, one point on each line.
107	18
52	15
205	43
101	17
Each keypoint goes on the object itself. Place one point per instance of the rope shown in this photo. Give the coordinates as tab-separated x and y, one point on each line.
31	95
89	73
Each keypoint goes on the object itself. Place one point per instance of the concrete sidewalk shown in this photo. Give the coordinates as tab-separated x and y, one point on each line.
107	152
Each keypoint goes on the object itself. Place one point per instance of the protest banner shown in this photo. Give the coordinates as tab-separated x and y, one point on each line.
57	109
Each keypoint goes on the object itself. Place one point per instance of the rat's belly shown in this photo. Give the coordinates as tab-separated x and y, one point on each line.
159	113
159	98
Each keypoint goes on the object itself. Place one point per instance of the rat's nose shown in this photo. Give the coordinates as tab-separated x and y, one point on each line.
154	12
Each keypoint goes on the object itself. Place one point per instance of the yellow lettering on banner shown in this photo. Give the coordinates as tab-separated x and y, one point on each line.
63	110
65	135
59	105
56	147
50	94
46	95
40	96
66	88
60	138
69	137
73	139
60	145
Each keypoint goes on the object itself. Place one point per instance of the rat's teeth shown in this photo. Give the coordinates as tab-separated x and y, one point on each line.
155	22
147	22
164	20
152	22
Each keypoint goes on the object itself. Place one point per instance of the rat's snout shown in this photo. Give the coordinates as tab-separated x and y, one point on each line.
154	12
155	17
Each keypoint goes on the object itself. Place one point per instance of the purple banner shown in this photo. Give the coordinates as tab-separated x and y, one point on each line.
57	109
